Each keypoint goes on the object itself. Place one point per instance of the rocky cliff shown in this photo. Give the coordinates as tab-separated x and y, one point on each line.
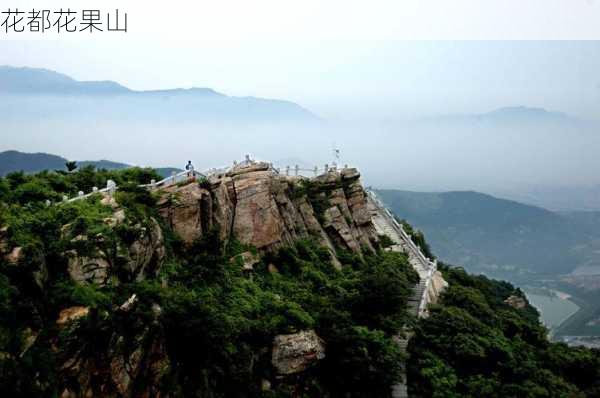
258	206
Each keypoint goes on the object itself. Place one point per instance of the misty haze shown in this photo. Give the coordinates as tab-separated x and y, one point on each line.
539	156
300	219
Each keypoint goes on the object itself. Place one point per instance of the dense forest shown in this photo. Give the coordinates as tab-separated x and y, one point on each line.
201	324
476	345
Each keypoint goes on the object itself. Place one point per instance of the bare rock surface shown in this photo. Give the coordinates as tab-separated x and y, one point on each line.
72	313
516	302
259	207
293	353
247	259
15	255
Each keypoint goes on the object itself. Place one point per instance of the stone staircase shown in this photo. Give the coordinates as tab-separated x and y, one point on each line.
414	301
386	225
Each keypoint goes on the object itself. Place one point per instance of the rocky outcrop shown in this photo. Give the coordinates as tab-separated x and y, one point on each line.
256	205
14	256
92	260
294	353
130	366
437	285
84	269
182	208
516	302
246	260
30	258
70	314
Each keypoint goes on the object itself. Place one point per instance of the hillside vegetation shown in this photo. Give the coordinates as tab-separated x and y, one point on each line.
475	345
200	324
15	161
110	297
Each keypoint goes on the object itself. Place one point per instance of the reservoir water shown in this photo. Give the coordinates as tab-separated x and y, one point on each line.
554	308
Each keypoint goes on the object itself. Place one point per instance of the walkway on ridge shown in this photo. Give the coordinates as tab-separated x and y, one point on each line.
386	224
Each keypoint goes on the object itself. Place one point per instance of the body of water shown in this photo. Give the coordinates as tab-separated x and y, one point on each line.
587	270
554	308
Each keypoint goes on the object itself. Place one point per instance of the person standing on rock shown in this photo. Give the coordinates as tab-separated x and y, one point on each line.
190	169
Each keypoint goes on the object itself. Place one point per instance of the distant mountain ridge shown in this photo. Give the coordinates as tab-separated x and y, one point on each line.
43	81
191	103
492	235
510	116
11	161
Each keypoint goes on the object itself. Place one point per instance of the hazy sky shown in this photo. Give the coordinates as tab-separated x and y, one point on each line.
343	80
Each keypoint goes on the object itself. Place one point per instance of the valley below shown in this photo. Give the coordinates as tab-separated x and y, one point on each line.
551	256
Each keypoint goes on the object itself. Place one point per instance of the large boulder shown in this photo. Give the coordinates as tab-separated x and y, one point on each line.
71	313
294	353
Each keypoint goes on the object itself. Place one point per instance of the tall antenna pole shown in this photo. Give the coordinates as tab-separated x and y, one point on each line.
336	155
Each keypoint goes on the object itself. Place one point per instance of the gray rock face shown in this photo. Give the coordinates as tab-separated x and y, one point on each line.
293	353
88	270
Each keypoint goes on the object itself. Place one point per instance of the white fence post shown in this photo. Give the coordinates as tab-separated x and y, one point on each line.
111	186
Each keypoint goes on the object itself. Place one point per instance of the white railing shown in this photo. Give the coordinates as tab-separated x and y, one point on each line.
111	186
415	250
298	171
173	179
422	309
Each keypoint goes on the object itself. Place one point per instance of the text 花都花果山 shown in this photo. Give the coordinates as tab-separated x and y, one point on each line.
15	20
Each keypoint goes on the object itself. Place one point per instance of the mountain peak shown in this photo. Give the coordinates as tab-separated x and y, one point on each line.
25	80
195	103
522	111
